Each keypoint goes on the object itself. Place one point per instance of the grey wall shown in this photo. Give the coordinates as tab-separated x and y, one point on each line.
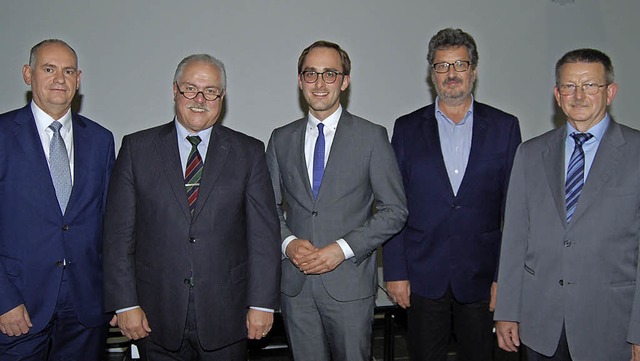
128	52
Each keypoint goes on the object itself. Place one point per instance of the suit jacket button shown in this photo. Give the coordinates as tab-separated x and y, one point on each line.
567	243
561	282
65	227
187	281
59	264
314	213
192	240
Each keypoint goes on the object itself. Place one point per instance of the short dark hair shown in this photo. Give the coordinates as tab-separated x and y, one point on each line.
451	38
34	50
586	55
344	57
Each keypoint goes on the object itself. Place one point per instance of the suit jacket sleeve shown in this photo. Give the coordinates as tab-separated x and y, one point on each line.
390	202
514	239
119	234
274	169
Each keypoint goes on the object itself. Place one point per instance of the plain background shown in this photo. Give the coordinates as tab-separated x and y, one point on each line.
128	51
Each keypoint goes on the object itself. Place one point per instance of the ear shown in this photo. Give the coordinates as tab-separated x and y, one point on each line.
78	78
612	89
557	95
300	81
175	91
26	74
345	82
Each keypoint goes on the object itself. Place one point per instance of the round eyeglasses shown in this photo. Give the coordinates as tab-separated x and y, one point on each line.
191	92
329	76
587	88
458	65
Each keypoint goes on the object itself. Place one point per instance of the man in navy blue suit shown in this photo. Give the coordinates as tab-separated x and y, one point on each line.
54	170
455	157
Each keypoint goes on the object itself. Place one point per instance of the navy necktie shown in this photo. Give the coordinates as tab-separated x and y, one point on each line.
575	173
193	173
318	161
59	166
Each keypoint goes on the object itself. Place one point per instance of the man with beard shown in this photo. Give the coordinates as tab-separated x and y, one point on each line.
330	169
191	253
455	157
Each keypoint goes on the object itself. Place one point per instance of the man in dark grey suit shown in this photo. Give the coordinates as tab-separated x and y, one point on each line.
330	170
191	231
567	285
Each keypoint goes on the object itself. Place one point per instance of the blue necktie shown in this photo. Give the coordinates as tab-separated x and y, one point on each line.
575	173
318	161
59	166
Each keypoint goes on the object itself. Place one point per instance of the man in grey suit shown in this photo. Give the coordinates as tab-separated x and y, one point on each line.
569	261
339	196
191	231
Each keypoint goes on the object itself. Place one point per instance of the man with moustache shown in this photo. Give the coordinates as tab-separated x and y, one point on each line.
330	169
569	261
191	231
455	157
54	170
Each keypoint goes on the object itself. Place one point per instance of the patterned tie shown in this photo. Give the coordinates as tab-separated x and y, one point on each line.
575	173
318	161
59	166
193	173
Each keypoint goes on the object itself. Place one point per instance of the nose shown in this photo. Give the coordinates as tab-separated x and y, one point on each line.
59	78
579	93
200	98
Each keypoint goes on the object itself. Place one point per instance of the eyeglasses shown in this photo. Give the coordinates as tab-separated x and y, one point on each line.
210	94
458	65
329	76
587	88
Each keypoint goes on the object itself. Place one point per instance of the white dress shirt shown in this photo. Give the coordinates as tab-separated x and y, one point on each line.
43	121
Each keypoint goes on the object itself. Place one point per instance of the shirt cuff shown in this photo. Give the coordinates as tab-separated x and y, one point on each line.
285	243
348	252
261	309
126	309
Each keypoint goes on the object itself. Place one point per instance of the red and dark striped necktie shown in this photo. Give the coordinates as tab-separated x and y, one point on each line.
193	173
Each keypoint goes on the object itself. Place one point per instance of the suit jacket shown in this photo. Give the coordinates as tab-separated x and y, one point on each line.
361	174
152	243
584	273
451	240
35	237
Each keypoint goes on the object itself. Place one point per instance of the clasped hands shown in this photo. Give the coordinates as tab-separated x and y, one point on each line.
312	260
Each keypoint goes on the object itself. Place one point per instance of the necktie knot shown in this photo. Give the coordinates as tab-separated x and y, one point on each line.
194	140
55	126
581	138
320	128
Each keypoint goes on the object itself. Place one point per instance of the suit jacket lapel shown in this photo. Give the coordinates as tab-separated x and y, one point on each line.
432	136
167	147
81	162
478	139
299	161
339	147
553	159
217	154
606	160
29	140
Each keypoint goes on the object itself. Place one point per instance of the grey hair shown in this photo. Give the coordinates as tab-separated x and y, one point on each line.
34	50
587	56
451	38
205	58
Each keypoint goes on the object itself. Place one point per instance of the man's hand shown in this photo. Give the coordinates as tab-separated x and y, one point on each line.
133	323
323	260
399	292
635	352
508	337
258	323
297	249
15	322
494	294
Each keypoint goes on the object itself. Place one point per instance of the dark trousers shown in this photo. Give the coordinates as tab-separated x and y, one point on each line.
562	352
190	349
64	338
432	322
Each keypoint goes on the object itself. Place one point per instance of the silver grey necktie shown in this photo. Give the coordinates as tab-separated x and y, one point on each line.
59	166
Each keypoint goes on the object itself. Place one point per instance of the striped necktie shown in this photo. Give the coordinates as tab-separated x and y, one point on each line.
193	173
575	173
59	166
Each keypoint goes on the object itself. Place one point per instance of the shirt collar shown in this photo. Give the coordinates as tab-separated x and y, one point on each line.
444	116
44	120
597	130
183	133
329	122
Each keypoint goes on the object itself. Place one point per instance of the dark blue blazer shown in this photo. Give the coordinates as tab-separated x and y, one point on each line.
34	235
451	241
